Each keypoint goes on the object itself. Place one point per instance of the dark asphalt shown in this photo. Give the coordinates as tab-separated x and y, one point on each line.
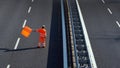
103	31
12	16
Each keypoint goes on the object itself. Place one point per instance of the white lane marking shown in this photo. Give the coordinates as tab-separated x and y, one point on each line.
24	23
17	42
118	23
29	9
109	10
8	66
32	0
88	44
103	1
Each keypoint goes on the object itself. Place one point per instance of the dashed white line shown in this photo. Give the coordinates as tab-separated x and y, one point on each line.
118	23
8	66
109	10
24	23
32	0
17	42
103	1
29	9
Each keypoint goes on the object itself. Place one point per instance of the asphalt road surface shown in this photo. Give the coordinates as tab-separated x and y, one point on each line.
19	52
102	19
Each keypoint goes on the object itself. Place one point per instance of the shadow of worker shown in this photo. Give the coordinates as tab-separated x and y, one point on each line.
22	49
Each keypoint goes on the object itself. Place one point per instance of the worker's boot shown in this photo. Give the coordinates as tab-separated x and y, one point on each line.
39	45
44	45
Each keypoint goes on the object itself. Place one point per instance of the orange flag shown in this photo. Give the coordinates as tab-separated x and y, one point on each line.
26	31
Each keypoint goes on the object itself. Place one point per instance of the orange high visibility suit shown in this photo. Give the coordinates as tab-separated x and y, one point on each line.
42	37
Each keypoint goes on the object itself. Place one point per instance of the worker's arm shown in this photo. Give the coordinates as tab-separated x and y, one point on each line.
34	30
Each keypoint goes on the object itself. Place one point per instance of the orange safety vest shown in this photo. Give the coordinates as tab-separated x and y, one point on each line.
42	37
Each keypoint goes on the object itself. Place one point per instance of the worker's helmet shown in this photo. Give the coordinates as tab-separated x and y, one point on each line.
43	26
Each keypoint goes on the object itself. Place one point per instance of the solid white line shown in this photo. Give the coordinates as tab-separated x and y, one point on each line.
118	23
29	9
88	44
103	1
24	23
8	66
32	0
17	42
109	10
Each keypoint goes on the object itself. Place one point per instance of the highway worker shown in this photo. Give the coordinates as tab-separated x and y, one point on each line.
42	36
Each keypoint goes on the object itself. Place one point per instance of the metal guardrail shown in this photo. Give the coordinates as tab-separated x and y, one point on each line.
78	37
87	41
81	49
65	61
83	54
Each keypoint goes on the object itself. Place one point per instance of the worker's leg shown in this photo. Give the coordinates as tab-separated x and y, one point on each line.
44	45
42	42
39	44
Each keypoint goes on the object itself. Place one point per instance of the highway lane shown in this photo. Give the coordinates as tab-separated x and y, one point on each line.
33	13
100	19
113	5
28	56
12	14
